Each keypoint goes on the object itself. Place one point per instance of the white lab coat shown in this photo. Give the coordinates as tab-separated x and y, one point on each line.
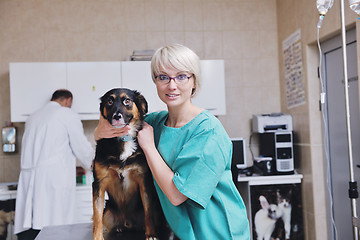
53	139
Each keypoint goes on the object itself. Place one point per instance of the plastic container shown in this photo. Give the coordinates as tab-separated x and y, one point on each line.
323	6
355	6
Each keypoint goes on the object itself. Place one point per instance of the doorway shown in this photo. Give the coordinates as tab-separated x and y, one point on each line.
337	132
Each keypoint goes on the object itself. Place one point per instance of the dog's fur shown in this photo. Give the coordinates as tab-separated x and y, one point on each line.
6	218
121	170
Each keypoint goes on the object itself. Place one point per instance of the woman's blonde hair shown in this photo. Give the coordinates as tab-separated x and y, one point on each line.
178	57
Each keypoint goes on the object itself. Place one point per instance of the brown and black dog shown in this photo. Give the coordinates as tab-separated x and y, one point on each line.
121	170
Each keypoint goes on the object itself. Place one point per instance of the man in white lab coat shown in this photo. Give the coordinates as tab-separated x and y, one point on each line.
53	139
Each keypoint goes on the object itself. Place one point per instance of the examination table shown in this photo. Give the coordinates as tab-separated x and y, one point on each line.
81	231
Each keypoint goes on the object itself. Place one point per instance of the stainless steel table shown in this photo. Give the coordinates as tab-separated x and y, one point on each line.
82	231
79	231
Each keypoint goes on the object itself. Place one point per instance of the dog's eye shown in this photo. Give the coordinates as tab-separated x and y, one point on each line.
127	102
110	102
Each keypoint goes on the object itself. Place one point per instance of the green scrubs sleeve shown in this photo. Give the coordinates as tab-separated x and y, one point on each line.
156	118
200	165
150	118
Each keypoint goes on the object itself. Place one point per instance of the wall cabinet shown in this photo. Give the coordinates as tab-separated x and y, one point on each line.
212	89
88	81
137	75
31	85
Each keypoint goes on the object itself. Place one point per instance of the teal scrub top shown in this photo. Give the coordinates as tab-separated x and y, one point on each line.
199	154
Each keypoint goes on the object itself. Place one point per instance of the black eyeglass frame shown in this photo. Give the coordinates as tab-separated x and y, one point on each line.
173	78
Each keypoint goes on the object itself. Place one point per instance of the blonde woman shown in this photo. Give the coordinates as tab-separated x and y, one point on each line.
189	154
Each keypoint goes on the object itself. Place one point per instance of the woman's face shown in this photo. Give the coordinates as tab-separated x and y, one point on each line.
173	93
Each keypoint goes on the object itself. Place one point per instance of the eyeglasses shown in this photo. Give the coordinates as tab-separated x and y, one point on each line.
179	79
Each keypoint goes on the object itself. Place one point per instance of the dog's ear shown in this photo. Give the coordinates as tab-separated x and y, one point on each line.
141	103
102	105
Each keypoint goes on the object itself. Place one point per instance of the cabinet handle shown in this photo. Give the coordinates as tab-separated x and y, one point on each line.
83	113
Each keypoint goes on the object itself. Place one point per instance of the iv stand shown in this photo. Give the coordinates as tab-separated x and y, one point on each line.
353	193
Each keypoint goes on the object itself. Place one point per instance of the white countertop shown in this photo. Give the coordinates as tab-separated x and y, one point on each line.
273	179
4	188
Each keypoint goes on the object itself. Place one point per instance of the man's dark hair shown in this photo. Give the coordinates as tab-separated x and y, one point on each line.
61	94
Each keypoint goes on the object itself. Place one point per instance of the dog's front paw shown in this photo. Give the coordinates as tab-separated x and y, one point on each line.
98	238
151	238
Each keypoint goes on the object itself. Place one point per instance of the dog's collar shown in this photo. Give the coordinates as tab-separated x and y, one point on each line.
126	138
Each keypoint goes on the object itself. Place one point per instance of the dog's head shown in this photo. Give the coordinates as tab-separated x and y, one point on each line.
122	106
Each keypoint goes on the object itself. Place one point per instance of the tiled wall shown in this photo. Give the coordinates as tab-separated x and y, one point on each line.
244	33
293	15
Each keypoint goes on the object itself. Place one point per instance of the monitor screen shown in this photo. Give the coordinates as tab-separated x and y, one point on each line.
238	155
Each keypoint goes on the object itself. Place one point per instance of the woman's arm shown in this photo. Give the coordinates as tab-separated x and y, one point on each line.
162	173
105	130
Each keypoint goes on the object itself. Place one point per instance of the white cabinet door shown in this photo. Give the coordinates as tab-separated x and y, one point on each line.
84	203
31	86
212	90
84	206
137	76
88	81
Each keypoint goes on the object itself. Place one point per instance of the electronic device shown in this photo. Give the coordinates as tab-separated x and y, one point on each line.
273	122
264	165
239	154
9	139
279	146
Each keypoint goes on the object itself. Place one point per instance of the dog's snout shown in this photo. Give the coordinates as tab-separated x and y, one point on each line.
118	116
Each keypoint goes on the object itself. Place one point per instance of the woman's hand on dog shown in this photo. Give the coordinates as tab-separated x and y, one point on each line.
146	137
162	173
105	130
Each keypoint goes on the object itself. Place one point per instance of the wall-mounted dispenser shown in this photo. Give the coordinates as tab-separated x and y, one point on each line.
9	138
